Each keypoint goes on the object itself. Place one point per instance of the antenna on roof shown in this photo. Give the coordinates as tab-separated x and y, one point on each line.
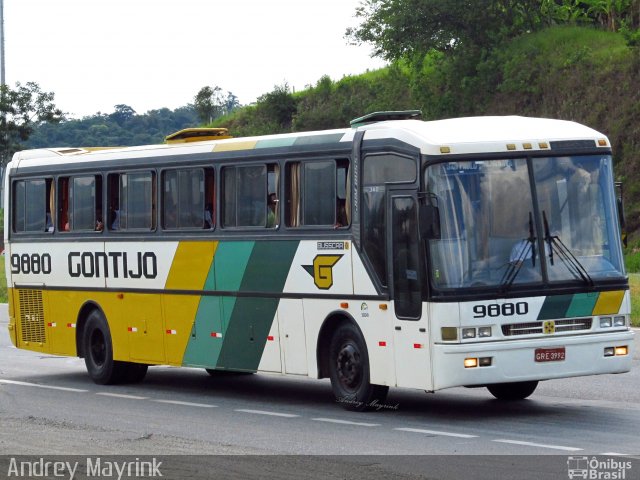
384	116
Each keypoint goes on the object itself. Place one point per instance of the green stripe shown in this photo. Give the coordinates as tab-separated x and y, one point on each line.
252	318
316	139
277	142
582	304
214	313
555	307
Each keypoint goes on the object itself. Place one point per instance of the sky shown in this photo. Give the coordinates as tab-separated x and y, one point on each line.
150	54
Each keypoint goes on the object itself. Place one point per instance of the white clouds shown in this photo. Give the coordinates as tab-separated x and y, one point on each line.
149	54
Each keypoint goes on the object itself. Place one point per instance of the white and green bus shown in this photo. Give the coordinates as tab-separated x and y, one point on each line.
395	253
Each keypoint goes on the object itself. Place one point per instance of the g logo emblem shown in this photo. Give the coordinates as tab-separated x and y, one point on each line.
322	270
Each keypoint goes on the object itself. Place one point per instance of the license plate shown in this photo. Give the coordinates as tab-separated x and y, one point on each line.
550	354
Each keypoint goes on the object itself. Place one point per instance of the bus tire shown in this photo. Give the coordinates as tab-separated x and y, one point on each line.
349	371
134	372
98	351
512	391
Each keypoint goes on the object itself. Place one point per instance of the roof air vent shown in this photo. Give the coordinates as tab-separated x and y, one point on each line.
384	116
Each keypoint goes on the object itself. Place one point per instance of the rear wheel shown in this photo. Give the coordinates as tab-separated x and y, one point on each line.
512	391
349	371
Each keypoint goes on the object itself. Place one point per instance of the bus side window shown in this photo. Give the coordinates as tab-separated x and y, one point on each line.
183	199
32	202
132	201
273	202
317	194
209	199
63	204
84	204
244	194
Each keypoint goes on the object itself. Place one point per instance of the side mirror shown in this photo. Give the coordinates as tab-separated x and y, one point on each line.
621	217
429	218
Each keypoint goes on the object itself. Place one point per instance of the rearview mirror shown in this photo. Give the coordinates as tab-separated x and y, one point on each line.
429	217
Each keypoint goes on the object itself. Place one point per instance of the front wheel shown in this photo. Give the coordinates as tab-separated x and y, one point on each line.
98	351
349	371
98	355
512	391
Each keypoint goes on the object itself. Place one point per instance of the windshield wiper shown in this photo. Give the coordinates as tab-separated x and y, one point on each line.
564	254
526	251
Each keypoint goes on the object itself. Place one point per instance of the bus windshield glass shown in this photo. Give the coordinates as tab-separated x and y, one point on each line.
491	234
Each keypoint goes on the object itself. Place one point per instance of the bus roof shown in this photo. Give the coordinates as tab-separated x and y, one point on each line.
468	135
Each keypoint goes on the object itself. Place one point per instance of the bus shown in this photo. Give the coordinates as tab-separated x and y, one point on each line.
396	252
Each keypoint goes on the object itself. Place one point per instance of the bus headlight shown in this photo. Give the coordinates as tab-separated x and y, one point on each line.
484	332
468	333
605	322
620	321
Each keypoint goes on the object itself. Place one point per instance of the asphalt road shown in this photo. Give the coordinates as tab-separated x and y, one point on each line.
274	427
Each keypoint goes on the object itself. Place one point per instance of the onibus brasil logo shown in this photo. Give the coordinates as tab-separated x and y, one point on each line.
594	468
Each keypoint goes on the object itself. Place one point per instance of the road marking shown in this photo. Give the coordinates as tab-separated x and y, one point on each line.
262	412
539	445
187	404
51	387
614	454
346	422
436	432
121	395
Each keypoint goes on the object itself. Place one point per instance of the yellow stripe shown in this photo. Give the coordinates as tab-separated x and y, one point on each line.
231	146
608	303
191	265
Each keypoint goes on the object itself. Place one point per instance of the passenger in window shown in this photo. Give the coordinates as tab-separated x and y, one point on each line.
48	223
99	224
115	224
341	214
272	204
208	216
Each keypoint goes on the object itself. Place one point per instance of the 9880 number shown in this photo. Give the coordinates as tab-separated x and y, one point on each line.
33	263
505	310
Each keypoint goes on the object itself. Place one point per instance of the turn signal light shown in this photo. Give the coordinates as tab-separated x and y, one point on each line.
621	351
470	362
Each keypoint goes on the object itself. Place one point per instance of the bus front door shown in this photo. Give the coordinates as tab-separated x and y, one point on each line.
411	335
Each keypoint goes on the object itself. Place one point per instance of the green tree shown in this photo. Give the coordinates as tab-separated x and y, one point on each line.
410	28
122	113
22	108
211	103
276	109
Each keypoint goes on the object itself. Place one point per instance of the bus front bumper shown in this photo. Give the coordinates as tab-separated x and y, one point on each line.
515	360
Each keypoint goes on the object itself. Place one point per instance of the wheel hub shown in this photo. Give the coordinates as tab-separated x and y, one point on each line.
349	366
98	348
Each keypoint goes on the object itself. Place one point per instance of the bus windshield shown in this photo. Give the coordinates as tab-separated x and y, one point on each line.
491	234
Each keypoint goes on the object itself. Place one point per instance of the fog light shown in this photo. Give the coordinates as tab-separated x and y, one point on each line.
470	362
609	351
485	362
605	322
622	351
449	334
620	321
484	332
468	333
